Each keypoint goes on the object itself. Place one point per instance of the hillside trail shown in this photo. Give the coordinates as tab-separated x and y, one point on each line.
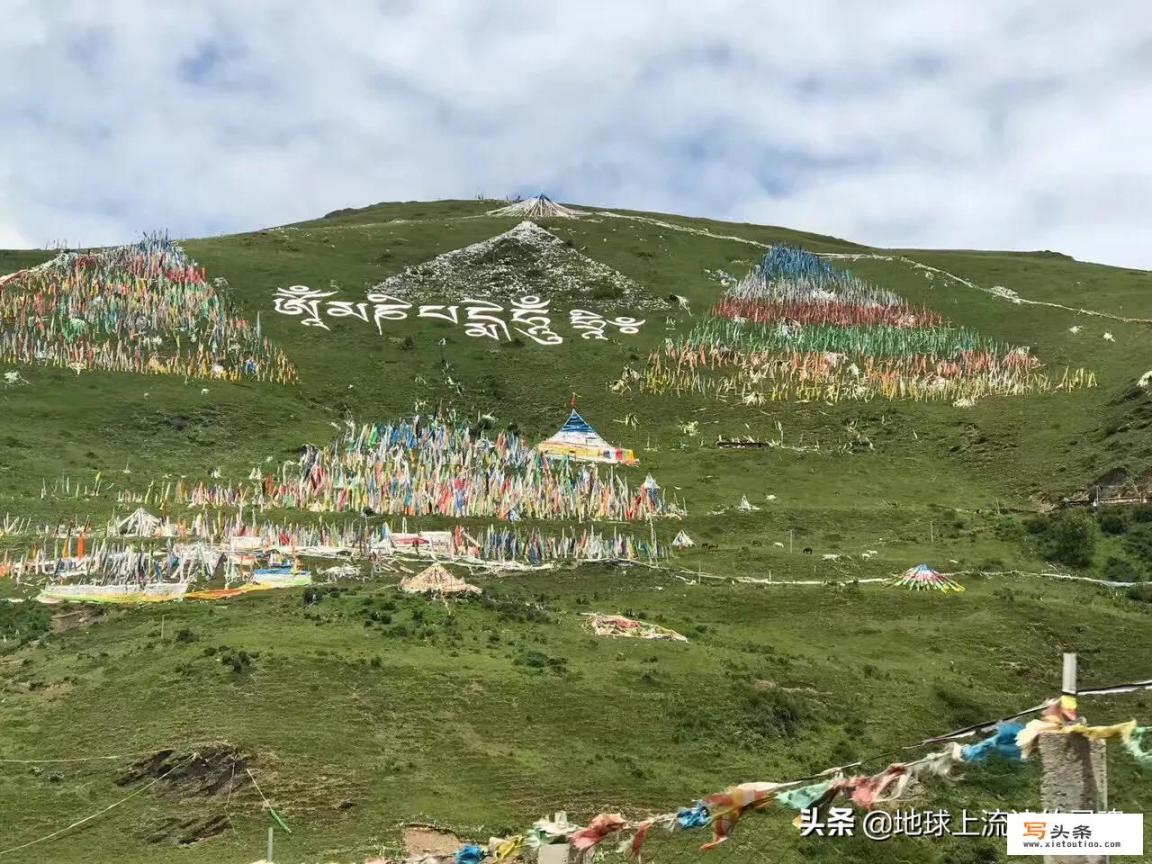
996	291
999	291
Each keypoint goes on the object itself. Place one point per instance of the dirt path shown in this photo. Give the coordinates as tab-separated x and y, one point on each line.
996	291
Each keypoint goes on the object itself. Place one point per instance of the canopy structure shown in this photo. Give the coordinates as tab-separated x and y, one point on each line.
436	580
682	541
579	441
422	543
924	578
152	592
139	523
540	207
630	628
281	577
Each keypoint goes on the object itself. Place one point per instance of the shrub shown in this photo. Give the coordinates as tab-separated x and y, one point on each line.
239	661
23	622
774	713
1008	529
1119	570
186	636
538	660
1068	538
1141	514
1112	523
1140	593
1138	542
532	659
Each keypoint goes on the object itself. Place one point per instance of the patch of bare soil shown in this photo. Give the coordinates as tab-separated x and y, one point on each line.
186	830
210	774
212	770
84	616
425	840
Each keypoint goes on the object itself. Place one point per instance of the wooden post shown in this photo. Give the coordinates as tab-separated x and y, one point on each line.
1075	775
268	857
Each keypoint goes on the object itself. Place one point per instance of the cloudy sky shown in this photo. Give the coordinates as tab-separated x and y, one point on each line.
986	123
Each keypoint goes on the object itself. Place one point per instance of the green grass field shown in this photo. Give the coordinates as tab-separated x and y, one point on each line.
360	709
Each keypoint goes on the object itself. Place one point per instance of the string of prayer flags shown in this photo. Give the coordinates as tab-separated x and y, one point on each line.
471	854
1134	745
728	806
723	810
1053	720
126	309
507	849
696	816
428	466
1003	743
798	329
805	797
596	830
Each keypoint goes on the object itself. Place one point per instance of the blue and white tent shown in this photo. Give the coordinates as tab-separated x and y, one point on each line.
579	441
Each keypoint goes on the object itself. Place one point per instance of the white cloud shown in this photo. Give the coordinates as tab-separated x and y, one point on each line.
1011	124
10	238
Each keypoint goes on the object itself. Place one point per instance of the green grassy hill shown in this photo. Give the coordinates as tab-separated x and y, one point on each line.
358	709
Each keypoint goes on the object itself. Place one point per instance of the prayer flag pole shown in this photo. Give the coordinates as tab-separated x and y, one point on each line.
1074	768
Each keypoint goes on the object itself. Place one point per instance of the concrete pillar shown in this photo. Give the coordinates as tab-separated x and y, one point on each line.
1075	778
553	853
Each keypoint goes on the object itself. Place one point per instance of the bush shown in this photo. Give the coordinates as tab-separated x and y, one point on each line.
1068	538
1140	593
537	660
1138	542
1008	529
532	659
239	661
774	713
23	622
1119	570
1036	525
1112	523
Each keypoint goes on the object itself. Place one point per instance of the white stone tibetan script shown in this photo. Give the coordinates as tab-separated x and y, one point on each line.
480	319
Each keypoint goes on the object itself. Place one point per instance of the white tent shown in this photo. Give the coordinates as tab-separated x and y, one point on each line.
682	541
139	523
577	440
436	580
540	207
421	542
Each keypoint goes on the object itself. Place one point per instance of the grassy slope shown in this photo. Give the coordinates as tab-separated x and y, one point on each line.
449	727
468	739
